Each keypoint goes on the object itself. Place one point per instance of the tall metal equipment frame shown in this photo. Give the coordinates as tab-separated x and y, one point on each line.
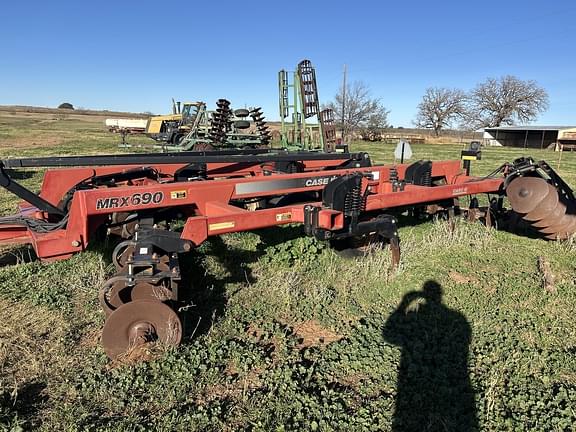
303	105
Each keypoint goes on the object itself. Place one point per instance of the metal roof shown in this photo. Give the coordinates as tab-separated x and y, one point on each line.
528	128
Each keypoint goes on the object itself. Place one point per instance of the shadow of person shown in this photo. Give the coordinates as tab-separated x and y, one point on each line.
434	392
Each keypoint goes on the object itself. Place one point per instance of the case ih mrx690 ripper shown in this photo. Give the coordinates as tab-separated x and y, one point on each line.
162	205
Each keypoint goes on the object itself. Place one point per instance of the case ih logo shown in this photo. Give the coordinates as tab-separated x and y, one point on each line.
136	199
275	185
460	191
321	181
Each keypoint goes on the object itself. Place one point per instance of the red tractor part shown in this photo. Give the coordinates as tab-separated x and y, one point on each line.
143	198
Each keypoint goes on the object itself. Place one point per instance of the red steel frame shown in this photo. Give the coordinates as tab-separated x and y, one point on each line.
208	205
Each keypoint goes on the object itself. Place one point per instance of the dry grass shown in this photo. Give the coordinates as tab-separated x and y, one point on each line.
31	341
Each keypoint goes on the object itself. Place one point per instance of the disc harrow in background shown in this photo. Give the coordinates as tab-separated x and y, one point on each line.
220	123
539	204
261	126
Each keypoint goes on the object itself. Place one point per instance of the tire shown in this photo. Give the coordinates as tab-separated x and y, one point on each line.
241	124
241	112
177	138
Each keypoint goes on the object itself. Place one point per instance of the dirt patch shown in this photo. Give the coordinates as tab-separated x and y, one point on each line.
460	278
313	334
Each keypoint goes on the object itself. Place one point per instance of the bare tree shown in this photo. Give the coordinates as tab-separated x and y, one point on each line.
507	100
360	109
440	107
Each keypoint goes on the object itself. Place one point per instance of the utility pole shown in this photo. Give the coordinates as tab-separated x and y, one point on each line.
343	102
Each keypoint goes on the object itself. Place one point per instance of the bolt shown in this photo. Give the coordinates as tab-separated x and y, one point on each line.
75	243
187	247
524	193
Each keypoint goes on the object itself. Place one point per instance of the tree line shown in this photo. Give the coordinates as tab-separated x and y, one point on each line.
494	102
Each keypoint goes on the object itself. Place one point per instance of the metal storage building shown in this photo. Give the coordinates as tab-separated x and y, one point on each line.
530	136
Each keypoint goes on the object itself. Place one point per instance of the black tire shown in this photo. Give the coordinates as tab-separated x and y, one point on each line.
241	112
241	124
177	138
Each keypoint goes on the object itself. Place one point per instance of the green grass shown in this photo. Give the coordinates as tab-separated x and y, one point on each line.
492	157
293	337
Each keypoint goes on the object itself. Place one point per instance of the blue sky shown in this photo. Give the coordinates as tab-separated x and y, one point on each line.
136	56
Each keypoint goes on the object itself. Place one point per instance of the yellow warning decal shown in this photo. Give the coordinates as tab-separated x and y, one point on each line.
221	226
280	217
180	194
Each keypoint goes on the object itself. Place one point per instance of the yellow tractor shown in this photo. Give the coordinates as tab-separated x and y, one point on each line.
172	128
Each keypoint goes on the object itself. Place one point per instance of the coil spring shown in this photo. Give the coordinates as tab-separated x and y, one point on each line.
355	201
427	178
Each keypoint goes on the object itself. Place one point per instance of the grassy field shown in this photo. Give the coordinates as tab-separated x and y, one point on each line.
289	335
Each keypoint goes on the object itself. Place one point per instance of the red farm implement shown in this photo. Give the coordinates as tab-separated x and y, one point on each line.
162	205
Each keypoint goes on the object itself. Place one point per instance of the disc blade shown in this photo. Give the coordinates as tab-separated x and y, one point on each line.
137	323
148	291
530	194
563	232
109	296
552	218
561	226
526	193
